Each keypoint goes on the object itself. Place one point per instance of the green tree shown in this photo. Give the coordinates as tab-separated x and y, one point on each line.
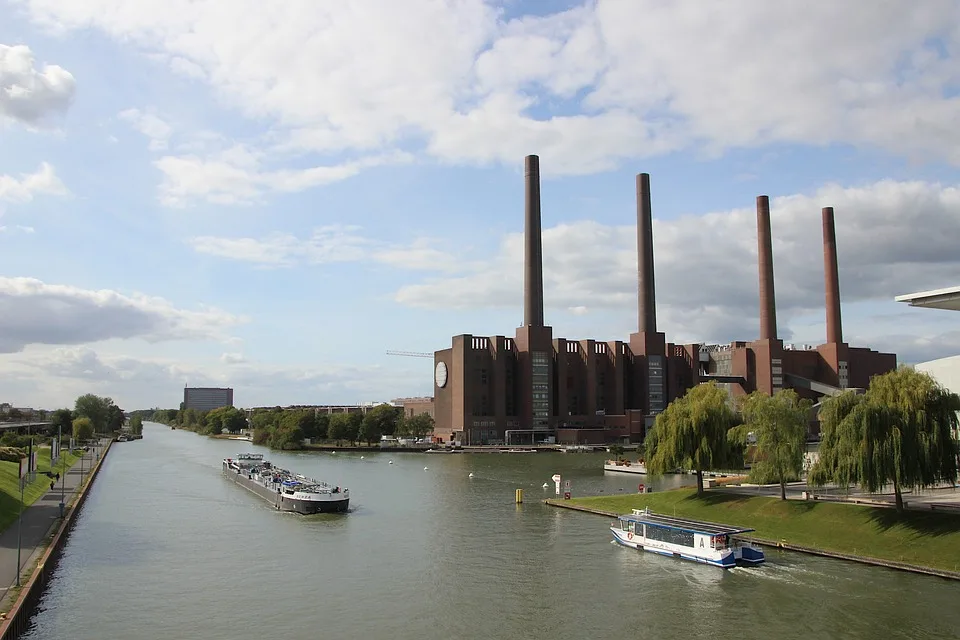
900	433
115	417
136	424
321	426
417	426
691	433
234	420
339	427
354	421
62	419
379	421
779	425
82	429
616	450
94	407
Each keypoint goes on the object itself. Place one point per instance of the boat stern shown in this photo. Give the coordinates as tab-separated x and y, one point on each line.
749	554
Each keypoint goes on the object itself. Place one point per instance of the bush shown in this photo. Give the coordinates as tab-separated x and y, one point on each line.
11	454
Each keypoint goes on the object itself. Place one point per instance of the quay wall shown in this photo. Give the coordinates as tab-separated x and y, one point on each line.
779	544
18	618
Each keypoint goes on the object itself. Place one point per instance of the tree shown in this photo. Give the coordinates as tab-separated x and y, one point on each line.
354	420
62	419
234	421
115	417
900	432
691	433
417	426
136	424
95	408
379	421
321	422
339	427
779	425
616	450
82	429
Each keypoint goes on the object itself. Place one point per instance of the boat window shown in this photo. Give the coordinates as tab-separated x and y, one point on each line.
671	536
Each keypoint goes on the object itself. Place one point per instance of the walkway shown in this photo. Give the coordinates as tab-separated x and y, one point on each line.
39	520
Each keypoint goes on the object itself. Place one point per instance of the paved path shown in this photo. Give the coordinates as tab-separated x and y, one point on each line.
947	496
39	520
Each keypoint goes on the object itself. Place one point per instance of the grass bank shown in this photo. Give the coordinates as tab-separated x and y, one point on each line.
10	483
916	537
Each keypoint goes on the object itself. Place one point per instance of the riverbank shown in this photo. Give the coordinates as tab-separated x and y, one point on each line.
10	483
926	542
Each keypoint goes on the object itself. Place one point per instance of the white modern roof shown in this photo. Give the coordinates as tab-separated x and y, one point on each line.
948	299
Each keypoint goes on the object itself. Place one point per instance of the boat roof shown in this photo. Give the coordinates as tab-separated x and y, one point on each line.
683	524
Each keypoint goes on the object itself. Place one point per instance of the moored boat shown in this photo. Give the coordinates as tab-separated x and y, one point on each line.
705	542
283	489
625	466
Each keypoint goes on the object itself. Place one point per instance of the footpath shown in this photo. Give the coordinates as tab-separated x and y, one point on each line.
39	522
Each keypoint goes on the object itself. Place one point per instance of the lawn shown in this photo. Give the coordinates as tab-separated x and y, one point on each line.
10	486
923	538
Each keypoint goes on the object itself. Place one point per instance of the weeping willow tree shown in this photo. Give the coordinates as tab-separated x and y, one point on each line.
900	433
691	433
779	424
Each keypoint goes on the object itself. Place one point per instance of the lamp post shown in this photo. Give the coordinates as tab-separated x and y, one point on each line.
63	471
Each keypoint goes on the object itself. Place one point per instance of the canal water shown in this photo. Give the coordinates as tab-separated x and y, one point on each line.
166	547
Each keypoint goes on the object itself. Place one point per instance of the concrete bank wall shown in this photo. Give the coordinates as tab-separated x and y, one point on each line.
18	618
889	564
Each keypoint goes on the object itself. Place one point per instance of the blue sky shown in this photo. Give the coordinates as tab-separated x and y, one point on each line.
270	195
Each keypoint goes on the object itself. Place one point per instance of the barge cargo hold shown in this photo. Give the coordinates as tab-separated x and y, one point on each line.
285	490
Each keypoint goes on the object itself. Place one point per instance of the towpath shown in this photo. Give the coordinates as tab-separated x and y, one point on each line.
39	520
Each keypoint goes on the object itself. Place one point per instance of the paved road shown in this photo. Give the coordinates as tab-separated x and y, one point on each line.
38	521
944	495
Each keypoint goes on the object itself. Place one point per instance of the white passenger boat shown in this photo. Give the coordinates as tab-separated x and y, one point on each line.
625	466
689	539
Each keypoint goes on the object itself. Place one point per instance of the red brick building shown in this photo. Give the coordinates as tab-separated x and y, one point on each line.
534	387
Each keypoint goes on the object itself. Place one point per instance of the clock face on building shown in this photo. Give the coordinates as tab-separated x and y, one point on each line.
440	375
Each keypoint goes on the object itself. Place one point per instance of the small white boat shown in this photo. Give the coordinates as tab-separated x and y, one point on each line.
625	466
704	542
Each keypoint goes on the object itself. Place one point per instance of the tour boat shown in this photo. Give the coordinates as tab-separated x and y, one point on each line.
625	466
688	539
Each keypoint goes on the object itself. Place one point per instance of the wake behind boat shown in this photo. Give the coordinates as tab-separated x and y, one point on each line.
283	489
689	539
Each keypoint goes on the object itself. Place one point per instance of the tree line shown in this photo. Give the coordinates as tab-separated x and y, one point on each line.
281	428
91	414
900	432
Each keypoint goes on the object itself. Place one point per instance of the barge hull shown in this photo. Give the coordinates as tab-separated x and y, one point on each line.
282	503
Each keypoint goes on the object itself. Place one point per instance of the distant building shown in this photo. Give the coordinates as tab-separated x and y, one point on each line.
206	398
415	406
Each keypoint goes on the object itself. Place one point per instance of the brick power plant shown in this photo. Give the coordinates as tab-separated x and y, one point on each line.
529	388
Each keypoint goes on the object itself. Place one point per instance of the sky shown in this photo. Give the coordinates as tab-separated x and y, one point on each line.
271	194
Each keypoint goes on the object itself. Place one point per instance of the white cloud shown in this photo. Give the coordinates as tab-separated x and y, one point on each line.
150	125
232	358
236	175
50	377
23	189
328	244
588	87
40	313
29	95
893	237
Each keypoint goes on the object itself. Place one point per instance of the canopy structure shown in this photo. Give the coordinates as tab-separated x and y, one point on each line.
683	524
948	299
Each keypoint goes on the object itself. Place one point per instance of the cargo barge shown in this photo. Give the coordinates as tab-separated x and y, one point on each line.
285	490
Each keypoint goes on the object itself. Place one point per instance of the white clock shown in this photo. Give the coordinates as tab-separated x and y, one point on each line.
440	375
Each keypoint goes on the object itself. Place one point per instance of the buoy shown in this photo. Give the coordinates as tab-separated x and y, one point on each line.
424	468
391	462
519	496
361	457
469	476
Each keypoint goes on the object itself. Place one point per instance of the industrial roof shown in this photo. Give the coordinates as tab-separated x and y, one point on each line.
948	299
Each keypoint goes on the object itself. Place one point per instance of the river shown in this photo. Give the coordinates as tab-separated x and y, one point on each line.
166	547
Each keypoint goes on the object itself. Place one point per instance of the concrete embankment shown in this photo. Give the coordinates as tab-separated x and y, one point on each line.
781	544
18	617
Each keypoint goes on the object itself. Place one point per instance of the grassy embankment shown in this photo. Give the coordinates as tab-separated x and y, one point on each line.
10	483
928	539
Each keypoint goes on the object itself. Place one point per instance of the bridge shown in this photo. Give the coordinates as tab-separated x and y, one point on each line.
25	427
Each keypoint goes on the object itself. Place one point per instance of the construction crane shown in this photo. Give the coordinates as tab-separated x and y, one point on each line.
412	354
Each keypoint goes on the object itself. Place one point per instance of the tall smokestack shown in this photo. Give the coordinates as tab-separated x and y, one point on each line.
645	282
768	304
832	277
533	251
